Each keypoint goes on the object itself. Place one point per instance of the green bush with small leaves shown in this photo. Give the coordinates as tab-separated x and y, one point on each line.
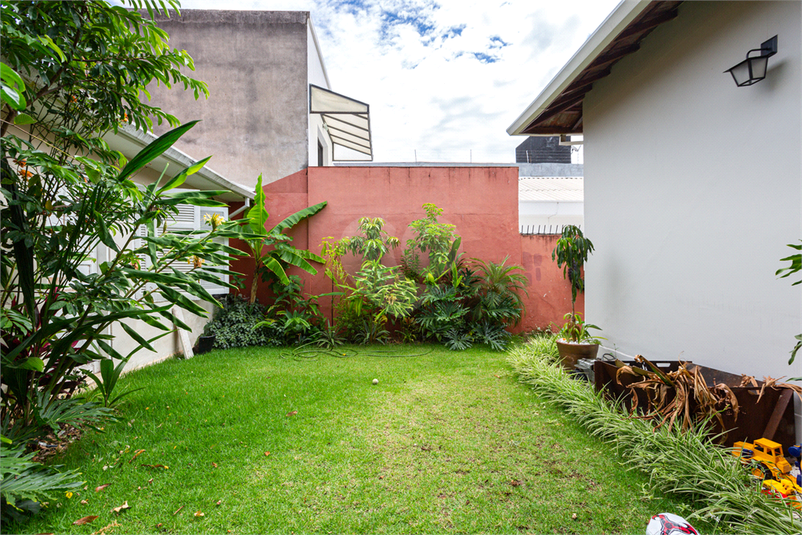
235	325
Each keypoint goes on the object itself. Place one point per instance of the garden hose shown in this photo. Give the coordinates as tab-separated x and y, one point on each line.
391	353
310	351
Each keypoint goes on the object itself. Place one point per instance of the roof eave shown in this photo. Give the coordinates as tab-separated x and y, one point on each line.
181	160
613	25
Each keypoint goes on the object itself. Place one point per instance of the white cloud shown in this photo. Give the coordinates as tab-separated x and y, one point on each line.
442	79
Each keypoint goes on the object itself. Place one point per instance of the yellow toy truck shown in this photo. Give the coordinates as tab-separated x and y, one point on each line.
778	476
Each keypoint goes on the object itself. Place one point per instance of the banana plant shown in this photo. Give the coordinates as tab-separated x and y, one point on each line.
279	252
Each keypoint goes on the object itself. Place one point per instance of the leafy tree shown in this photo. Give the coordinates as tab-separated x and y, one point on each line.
86	66
375	291
72	72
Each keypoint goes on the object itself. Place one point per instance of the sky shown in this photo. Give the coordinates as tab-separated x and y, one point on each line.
443	79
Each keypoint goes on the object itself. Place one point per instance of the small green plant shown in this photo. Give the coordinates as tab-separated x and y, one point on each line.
298	316
105	384
795	267
577	331
571	252
328	337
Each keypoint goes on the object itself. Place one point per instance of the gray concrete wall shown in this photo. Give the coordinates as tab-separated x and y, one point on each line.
693	190
256	117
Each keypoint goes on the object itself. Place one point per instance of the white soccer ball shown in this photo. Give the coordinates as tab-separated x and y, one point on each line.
669	524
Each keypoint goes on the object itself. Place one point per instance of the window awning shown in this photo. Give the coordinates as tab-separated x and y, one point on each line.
347	120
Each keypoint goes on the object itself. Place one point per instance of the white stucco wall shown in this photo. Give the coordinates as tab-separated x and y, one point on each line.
693	189
550	213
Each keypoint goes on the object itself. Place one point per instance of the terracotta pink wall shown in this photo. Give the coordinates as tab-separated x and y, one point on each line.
481	201
549	294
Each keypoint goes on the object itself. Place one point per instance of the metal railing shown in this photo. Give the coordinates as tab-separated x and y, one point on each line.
541	230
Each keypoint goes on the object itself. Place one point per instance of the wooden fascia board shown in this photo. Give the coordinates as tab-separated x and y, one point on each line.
616	22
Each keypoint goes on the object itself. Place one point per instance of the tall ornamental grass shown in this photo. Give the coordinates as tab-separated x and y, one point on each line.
683	462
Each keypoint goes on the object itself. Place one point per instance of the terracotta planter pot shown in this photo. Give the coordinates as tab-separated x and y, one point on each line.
571	353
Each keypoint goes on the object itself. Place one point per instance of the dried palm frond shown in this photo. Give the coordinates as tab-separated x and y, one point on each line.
680	397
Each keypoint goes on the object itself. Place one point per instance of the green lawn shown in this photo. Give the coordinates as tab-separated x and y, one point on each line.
446	442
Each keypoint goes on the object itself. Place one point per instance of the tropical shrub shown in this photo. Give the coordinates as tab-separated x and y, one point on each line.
499	292
438	241
474	305
375	293
296	316
239	324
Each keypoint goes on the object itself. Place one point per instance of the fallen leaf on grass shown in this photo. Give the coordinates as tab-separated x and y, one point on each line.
121	508
219	502
84	520
573	516
214	465
293	413
84	502
267	453
137	454
110	528
101	487
198	514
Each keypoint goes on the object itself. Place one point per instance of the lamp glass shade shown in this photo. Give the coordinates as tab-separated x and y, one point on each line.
749	71
740	73
758	66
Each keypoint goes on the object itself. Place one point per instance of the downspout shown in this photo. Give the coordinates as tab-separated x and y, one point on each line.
240	209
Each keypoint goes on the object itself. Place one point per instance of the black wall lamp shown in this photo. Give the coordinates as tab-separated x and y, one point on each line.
753	68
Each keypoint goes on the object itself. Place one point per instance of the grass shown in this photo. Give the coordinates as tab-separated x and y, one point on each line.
446	442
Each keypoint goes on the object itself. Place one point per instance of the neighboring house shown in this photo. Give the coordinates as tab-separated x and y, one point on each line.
543	150
550	187
550	196
270	109
693	186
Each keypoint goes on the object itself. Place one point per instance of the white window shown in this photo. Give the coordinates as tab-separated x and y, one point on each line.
189	217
